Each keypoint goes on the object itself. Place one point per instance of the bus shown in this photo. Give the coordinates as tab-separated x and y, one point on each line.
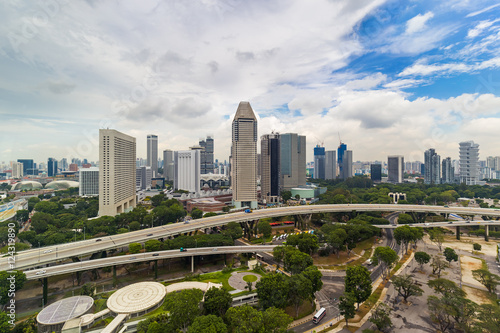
259	257
319	315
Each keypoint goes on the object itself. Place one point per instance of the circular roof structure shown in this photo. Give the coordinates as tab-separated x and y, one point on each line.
65	309
27	185
137	297
62	184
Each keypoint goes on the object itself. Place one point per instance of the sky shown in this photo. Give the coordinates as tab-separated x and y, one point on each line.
385	77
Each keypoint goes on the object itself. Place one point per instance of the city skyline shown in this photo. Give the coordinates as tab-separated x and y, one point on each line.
386	75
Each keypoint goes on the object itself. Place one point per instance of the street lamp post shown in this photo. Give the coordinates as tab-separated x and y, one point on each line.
84	233
75	234
38	251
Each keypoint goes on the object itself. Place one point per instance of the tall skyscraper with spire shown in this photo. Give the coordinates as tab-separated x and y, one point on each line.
244	157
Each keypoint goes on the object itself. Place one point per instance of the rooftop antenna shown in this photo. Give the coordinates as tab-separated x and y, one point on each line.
340	138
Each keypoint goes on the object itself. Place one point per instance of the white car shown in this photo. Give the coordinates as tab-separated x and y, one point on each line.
41	272
47	251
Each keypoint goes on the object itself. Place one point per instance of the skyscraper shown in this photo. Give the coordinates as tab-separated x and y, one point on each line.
51	167
319	162
469	162
340	158
244	157
207	155
395	169
27	166
89	182
17	170
447	171
153	153
168	164
292	160
117	173
270	167
187	170
376	172
432	170
143	177
346	165
331	165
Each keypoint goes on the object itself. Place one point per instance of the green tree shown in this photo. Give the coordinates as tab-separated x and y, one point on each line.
358	283
40	222
226	209
476	247
183	307
22	215
4	323
152	245
275	320
406	286
156	200
446	287
18	279
307	243
314	275
489	318
209	214
272	290
196	213
300	290
286	195
450	255
208	324
487	279
244	319
88	289
217	301
337	240
296	261
436	235
386	255
134	248
346	307
381	317
422	258
439	313
32	202
438	265
233	230
405	219
406	234
134	225
264	228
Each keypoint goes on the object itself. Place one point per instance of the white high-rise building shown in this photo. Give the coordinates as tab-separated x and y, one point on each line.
17	170
469	163
187	170
116	172
331	164
395	169
153	153
89	182
143	177
244	157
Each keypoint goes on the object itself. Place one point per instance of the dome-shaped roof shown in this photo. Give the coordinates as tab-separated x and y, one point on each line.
62	184
27	185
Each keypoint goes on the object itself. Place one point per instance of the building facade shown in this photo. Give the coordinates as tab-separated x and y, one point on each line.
330	164
51	167
244	157
469	162
117	175
292	160
395	169
432	169
376	172
143	178
187	170
152	151
168	164
319	162
17	170
89	182
207	155
270	168
448	172
346	164
28	166
340	158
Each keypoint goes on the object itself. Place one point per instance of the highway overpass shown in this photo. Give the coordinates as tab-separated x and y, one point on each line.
35	274
36	257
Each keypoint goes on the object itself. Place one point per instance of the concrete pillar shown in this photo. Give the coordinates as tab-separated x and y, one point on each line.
487	232
45	297
192	264
458	232
115	282
156	269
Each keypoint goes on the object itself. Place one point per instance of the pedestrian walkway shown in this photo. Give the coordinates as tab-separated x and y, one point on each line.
236	280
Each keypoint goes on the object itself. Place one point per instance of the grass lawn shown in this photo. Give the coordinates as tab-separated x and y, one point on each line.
249	278
304	310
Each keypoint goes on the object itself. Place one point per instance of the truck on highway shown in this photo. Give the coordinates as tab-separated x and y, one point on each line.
248	210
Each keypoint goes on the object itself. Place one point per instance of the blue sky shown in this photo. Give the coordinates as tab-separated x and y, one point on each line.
391	77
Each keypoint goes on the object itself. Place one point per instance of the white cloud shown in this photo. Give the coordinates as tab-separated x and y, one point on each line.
418	23
424	69
479	28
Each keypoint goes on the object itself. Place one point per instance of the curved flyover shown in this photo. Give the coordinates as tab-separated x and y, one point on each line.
36	257
140	257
